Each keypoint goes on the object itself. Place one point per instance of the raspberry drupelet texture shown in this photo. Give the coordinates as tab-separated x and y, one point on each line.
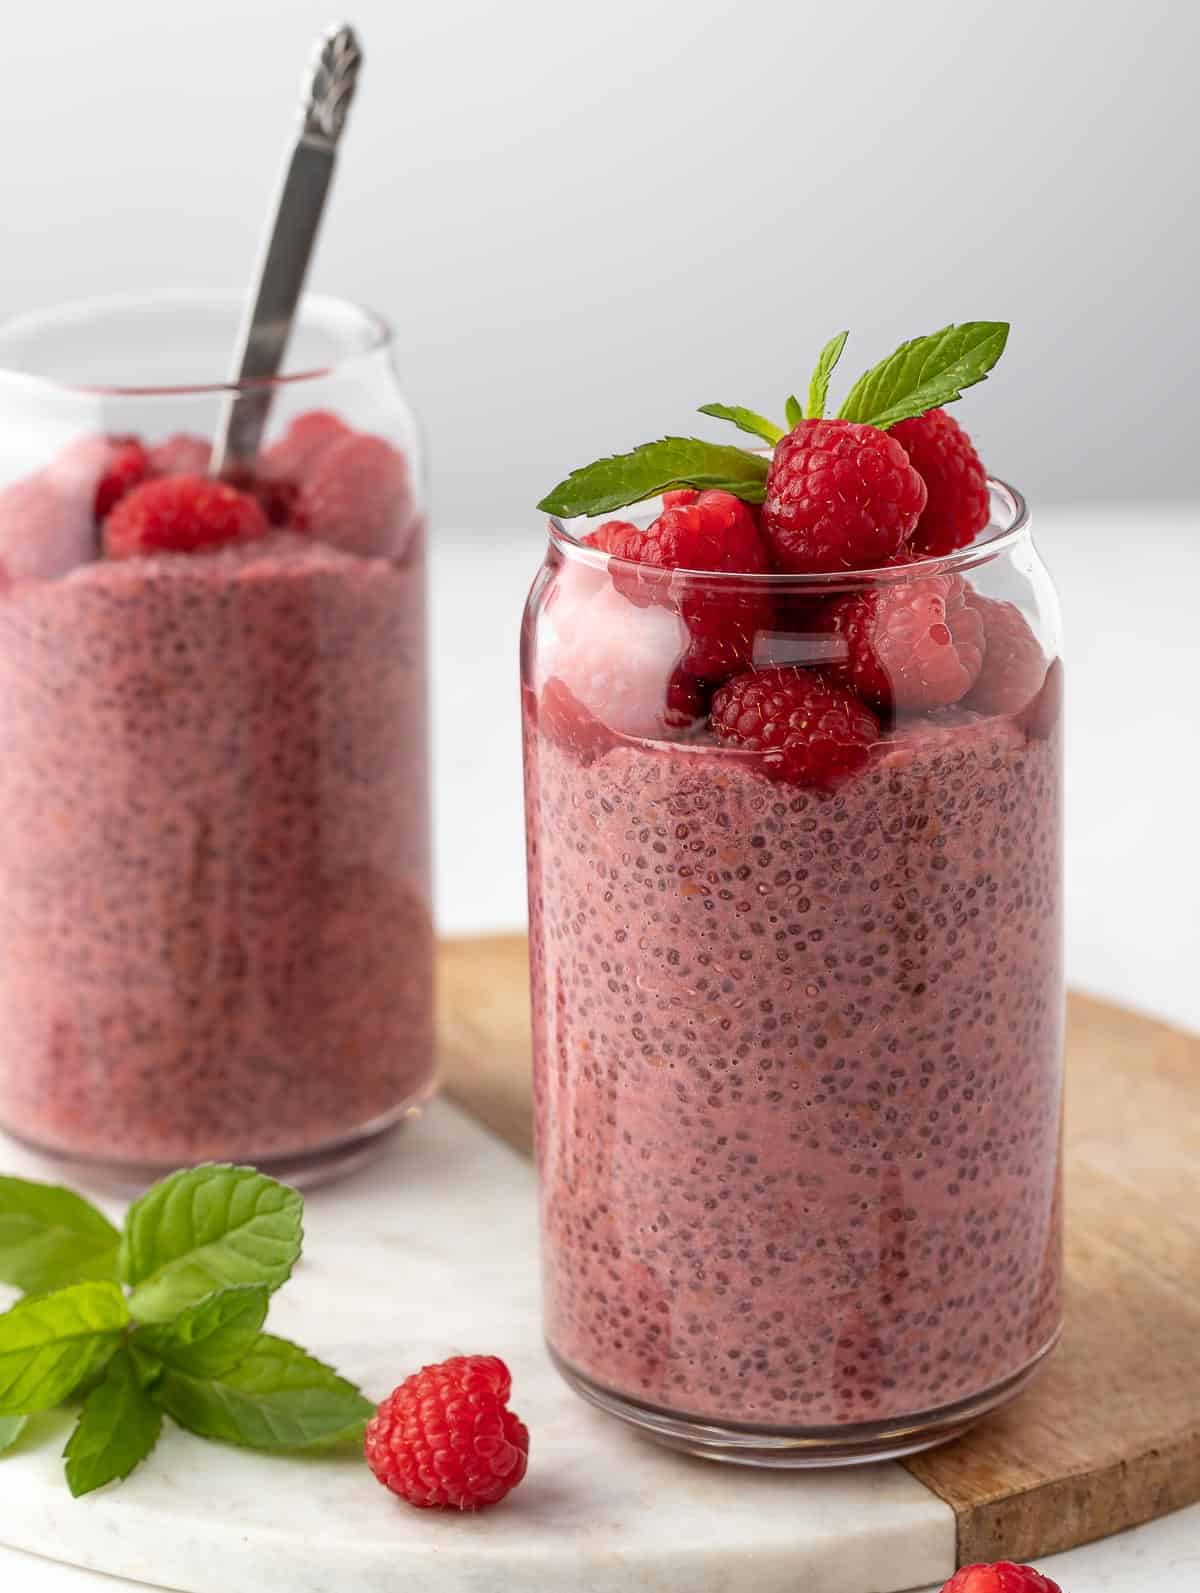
806	728
356	495
1002	1577
446	1440
128	466
840	496
714	532
913	645
958	506
1014	665
181	514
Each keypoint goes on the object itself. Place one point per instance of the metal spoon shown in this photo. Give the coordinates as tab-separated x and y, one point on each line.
287	249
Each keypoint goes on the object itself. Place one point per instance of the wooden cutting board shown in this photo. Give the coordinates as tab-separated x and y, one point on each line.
1110	1434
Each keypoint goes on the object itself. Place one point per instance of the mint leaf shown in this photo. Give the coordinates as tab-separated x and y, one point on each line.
117	1428
279	1397
50	1236
211	1337
50	1343
657	467
11	1428
793	411
928	372
745	420
204	1229
818	387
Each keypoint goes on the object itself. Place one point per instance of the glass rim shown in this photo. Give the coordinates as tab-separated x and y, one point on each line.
379	337
998	539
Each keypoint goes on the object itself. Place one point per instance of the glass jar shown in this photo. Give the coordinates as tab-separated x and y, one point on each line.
797	1025
215	928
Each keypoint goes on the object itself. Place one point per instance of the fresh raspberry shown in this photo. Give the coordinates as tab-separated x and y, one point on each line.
1014	665
1042	716
182	454
612	536
680	497
356	496
280	502
958	504
563	719
840	496
912	645
1002	1577
687	701
809	730
292	456
181	514
128	466
446	1440
716	533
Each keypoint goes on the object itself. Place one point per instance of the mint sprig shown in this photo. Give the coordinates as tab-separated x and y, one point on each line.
50	1236
11	1428
279	1397
210	1337
745	420
201	1252
51	1343
117	1428
818	387
657	467
925	373
204	1229
920	375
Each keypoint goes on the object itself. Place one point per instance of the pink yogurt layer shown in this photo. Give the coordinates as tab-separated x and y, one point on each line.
214	858
797	1072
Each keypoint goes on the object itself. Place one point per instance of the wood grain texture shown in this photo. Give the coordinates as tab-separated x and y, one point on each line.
1109	1436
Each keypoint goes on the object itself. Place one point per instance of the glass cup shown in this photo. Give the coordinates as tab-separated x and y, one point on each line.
215	928
797	1024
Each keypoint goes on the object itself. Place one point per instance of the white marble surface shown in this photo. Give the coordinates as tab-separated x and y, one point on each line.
1127	579
428	1254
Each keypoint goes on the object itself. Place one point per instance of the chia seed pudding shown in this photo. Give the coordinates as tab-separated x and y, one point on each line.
797	1071
214	855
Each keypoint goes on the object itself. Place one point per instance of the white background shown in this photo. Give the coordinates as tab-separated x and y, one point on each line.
587	219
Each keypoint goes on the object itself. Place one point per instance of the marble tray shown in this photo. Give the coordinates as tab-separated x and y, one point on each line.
432	1252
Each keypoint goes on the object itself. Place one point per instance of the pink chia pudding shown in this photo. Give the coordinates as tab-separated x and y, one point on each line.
214	854
797	1071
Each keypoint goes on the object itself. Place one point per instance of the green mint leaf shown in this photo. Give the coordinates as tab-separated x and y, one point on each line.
117	1428
51	1343
209	1338
818	387
793	411
50	1236
926	373
279	1397
658	467
11	1428
205	1229
745	420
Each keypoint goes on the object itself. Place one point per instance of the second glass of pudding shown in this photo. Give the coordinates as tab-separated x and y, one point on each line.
798	1042
215	927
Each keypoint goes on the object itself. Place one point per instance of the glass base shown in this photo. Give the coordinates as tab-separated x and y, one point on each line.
793	1448
302	1169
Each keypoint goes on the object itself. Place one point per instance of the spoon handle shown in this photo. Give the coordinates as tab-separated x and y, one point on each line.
287	250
